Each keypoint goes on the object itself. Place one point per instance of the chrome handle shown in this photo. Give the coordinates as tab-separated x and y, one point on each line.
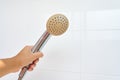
37	47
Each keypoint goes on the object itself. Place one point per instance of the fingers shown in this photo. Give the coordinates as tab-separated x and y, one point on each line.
36	61
31	67
33	57
37	55
33	64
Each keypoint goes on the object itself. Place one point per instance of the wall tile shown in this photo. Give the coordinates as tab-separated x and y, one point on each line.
103	19
101	56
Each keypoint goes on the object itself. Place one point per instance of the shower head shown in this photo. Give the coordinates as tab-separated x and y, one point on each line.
57	24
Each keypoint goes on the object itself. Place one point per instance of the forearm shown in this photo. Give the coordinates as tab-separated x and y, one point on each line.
7	66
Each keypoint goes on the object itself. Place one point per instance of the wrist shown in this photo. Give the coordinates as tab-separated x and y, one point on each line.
8	66
16	63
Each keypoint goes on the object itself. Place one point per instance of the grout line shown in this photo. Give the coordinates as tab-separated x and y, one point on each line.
60	71
102	74
81	29
102	29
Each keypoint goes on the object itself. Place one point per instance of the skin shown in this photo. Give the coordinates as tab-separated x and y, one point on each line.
23	58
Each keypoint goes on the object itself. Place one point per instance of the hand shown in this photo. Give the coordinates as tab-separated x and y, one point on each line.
26	57
23	58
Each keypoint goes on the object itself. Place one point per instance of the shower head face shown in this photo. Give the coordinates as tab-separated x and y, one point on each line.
57	24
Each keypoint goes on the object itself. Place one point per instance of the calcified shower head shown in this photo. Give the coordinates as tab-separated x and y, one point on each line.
57	24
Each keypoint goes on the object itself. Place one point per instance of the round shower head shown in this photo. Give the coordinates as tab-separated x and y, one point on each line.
57	24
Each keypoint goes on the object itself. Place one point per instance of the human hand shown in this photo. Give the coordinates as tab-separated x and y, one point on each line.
26	57
23	58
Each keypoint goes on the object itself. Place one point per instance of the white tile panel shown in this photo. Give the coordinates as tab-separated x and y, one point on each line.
102	34
101	56
103	19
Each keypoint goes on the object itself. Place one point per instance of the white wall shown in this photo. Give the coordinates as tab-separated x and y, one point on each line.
89	50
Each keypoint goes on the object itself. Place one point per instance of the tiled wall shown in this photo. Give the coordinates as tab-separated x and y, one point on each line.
89	50
100	56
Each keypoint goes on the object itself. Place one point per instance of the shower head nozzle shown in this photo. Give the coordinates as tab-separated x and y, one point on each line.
57	24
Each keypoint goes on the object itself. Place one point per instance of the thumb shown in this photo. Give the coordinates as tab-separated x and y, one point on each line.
37	55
